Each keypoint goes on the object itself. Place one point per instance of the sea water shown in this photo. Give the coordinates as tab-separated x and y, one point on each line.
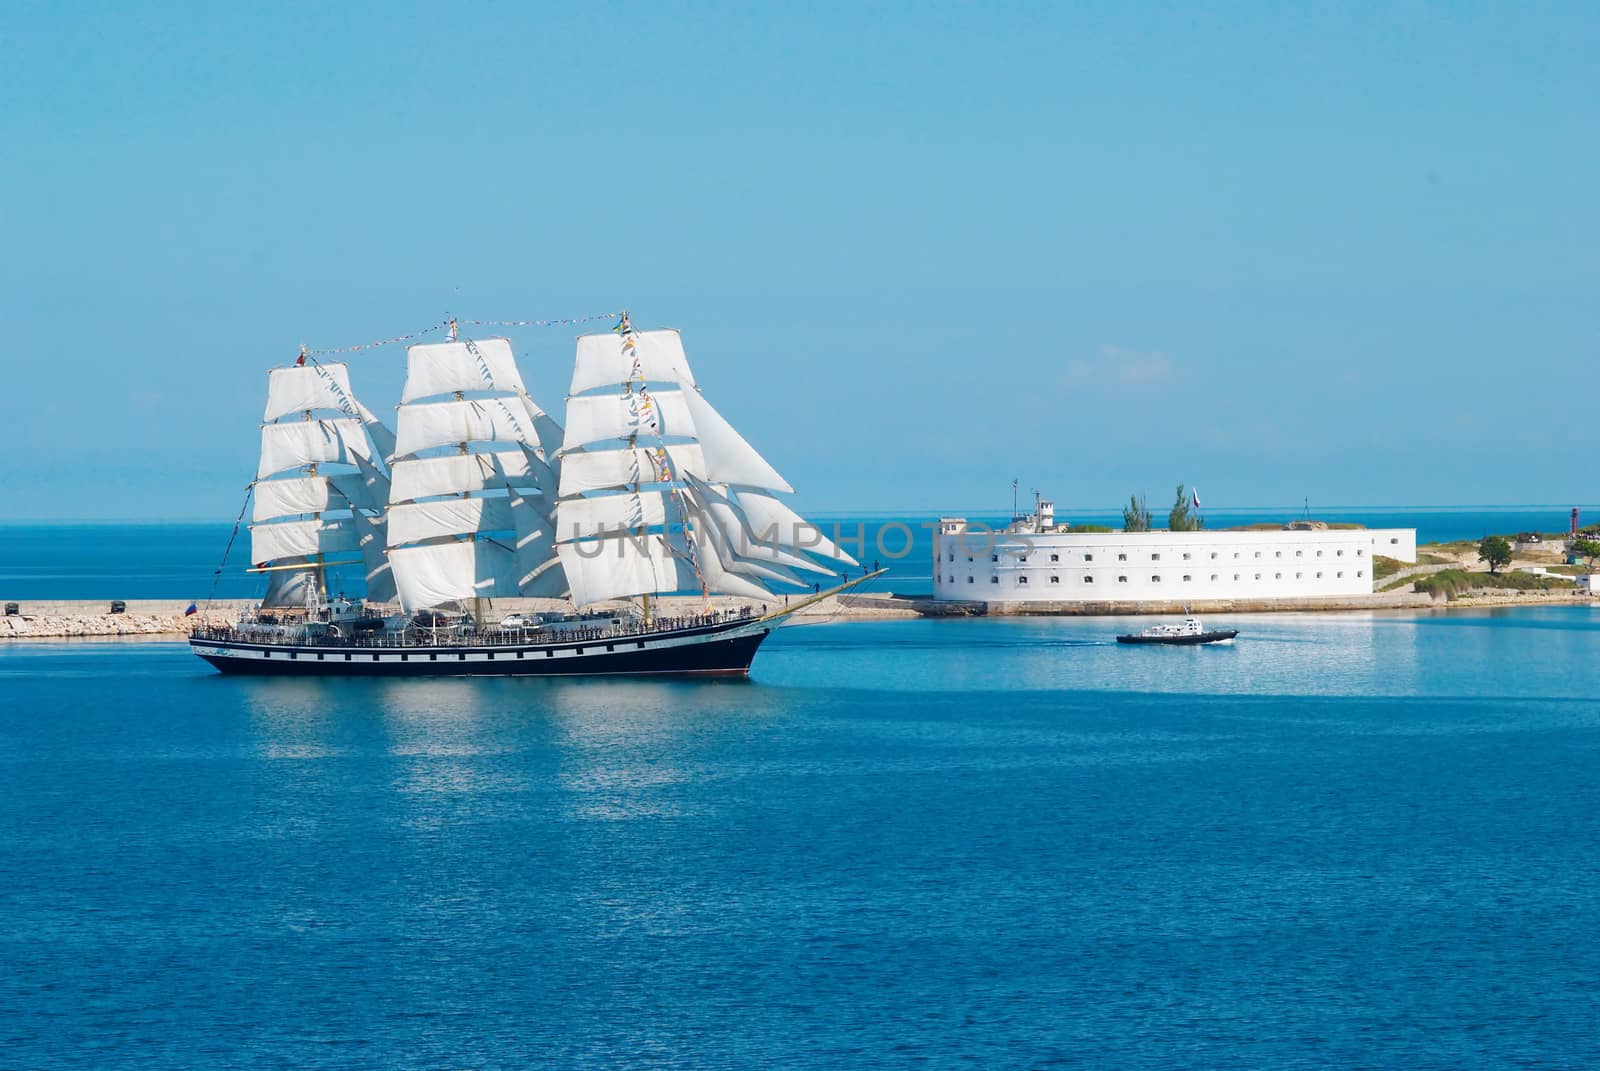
196	561
1361	840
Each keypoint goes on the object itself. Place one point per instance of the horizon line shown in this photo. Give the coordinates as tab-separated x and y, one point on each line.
882	513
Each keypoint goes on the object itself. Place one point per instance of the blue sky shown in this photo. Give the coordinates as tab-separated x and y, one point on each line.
1277	251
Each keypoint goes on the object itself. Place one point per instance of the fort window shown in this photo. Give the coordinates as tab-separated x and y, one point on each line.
1258	576
1394	541
994	580
1277	554
1185	555
1360	573
1319	553
1360	553
994	557
1155	557
1187	578
1213	576
1155	580
1298	553
1340	574
1088	557
1055	557
1340	552
1023	558
1088	580
1319	576
1122	557
1236	576
1022	580
1055	580
1122	580
969	579
1277	576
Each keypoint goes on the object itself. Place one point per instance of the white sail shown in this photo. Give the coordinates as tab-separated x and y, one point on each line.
498	544
427	477
670	474
293	539
366	488
608	360
772	522
416	522
372	535
653	563
603	569
304	388
605	417
310	442
448	367
439	574
291	496
591	517
729	458
382	437
599	470
291	587
318	492
295	495
548	434
538	571
720	574
747	551
424	425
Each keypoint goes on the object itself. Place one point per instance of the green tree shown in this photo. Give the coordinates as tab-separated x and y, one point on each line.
1587	548
1136	515
1183	518
1496	550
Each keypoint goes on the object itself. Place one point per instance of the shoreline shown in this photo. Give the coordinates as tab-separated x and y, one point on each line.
147	619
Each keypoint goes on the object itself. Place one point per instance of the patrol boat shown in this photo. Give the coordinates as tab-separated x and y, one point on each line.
1188	634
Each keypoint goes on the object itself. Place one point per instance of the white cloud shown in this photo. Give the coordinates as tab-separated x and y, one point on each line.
1117	367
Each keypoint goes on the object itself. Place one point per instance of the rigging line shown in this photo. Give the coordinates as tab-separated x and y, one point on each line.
217	575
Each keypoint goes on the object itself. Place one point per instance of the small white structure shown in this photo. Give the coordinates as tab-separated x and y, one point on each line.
1033	560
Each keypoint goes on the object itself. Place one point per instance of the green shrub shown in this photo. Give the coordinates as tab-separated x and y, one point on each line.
1452	582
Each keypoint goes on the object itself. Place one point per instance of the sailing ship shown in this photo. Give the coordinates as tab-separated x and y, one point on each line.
480	494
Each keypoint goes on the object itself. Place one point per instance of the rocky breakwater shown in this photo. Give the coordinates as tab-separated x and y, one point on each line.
91	618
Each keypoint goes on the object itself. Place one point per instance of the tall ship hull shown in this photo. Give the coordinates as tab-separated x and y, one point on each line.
715	649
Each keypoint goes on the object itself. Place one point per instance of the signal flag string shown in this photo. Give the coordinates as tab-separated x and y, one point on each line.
442	324
217	575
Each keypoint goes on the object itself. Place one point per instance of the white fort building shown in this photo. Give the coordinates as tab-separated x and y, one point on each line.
1036	560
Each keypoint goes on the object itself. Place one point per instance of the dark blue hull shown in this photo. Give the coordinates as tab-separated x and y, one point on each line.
718	650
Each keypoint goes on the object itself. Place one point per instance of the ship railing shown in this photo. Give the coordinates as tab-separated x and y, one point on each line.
493	636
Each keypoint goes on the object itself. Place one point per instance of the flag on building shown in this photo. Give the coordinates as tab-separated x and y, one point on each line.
1196	493
193	609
